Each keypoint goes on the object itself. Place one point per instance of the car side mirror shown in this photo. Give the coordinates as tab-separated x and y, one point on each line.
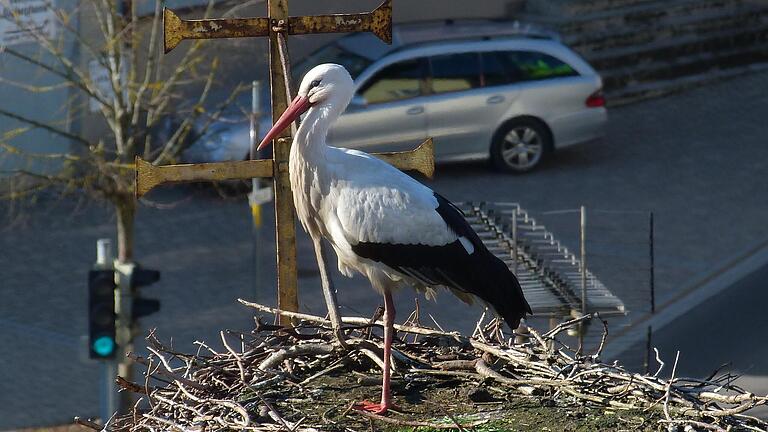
358	101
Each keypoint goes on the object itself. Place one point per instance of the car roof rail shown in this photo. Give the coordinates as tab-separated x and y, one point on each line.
458	29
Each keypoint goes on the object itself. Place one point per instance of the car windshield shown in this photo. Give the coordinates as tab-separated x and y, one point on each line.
332	53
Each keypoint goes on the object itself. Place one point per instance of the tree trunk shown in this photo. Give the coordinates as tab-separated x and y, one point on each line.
126	212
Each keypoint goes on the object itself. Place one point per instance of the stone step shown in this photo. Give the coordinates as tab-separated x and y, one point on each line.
640	15
650	90
644	48
665	50
573	8
668	28
694	64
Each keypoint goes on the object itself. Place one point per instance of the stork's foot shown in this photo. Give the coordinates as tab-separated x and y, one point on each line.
376	408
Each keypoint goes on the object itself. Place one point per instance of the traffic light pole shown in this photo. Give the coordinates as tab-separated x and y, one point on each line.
108	405
124	329
130	305
260	194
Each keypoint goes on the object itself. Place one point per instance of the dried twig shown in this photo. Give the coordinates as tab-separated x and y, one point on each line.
669	387
87	423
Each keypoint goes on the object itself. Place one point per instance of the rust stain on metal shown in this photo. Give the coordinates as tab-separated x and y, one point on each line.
148	176
378	22
171	30
176	29
381	21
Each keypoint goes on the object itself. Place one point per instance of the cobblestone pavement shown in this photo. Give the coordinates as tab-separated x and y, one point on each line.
698	160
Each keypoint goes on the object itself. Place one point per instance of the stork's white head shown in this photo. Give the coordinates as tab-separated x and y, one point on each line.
326	86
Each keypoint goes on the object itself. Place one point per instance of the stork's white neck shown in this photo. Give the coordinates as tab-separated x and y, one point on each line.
310	138
310	142
308	165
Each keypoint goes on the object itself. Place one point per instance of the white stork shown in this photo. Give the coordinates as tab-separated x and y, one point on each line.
381	222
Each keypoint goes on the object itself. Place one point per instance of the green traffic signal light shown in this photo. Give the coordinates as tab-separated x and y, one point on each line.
101	313
104	346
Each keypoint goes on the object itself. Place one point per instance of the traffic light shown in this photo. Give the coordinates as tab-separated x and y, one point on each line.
101	314
143	306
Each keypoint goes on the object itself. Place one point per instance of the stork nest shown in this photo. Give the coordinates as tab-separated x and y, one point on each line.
301	379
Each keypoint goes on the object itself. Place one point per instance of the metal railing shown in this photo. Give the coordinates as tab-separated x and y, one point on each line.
555	280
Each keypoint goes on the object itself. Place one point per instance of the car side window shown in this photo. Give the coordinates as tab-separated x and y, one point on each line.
398	81
533	65
498	69
455	72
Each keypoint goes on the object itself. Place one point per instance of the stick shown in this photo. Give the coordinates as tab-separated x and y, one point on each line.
295	351
171	375
565	325
87	423
661	363
353	320
482	368
669	387
132	387
603	338
695	423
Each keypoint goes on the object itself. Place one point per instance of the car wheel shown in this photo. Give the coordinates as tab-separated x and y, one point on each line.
520	146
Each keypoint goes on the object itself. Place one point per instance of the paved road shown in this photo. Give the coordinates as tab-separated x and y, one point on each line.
698	160
728	329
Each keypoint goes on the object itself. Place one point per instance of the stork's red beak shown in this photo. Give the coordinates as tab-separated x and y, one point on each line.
298	106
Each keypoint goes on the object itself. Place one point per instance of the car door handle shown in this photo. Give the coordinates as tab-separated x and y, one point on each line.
415	110
495	99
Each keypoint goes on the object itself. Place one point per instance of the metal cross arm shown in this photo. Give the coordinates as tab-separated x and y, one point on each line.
149	176
378	22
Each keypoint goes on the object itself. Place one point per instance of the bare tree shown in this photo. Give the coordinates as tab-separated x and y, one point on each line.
140	92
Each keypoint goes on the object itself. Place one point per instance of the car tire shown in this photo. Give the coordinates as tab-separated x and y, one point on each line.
520	145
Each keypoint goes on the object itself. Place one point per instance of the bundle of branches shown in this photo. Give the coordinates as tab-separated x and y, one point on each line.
261	381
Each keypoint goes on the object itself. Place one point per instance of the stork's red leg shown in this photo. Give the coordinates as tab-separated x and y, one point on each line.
389	330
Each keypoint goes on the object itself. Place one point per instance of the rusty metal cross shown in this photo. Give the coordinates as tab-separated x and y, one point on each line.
276	26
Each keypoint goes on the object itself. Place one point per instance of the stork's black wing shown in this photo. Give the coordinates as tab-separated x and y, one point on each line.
471	269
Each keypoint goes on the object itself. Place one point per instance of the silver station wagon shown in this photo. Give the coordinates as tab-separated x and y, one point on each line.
482	90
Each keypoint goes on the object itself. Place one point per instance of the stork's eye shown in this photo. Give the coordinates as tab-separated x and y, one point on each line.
314	83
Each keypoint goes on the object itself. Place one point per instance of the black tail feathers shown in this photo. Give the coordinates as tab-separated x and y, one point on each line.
502	290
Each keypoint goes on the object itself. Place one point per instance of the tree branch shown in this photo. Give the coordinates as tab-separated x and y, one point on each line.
45	126
15	150
173	146
151	50
186	62
35	88
81	85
